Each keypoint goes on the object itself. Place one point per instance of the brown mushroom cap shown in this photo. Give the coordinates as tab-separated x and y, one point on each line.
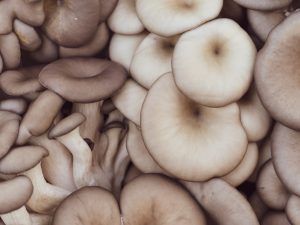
10	50
14	193
71	23
275	218
88	205
286	155
293	209
21	81
22	158
83	79
263	4
277	70
270	189
154	199
188	140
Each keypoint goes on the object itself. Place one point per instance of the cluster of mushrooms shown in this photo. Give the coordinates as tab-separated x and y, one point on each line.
131	112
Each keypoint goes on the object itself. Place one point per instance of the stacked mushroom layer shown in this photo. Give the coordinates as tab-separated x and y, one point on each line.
149	112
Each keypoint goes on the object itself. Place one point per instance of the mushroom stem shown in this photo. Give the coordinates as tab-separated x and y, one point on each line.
45	197
18	216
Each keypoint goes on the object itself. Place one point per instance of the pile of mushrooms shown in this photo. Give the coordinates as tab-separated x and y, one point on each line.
149	112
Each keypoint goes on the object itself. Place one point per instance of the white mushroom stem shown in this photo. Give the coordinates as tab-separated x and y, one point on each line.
17	217
82	156
45	197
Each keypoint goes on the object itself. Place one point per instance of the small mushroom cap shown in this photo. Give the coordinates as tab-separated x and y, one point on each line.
14	193
255	118
138	152
293	209
129	100
263	5
152	59
10	50
241	173
184	137
122	48
21	159
21	81
88	205
270	189
275	218
124	19
72	23
66	125
168	18
83	79
262	22
94	46
205	63
154	199
286	155
277	72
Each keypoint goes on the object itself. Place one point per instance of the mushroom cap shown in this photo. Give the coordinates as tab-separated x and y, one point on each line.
254	117
275	218
138	152
124	19
152	59
83	79
10	50
14	193
293	209
262	22
122	48
205	63
188	140
94	46
129	100
21	81
14	105
285	154
72	23
277	72
263	5
168	18
66	125
88	205
270	189
154	199
241	173
14	161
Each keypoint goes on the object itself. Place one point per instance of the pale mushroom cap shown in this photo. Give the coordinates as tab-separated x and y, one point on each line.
262	22
277	72
270	189
264	4
241	173
14	193
88	205
152	59
154	199
122	48
190	141
275	218
72	23
83	79
66	125
10	50
22	158
293	209
15	105
94	46
255	118
285	155
168	18
210	66
129	100
138	152
124	19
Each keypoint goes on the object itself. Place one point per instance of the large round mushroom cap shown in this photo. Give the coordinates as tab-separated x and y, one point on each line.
266	5
168	18
153	199
188	140
213	64
88	206
277	73
83	79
